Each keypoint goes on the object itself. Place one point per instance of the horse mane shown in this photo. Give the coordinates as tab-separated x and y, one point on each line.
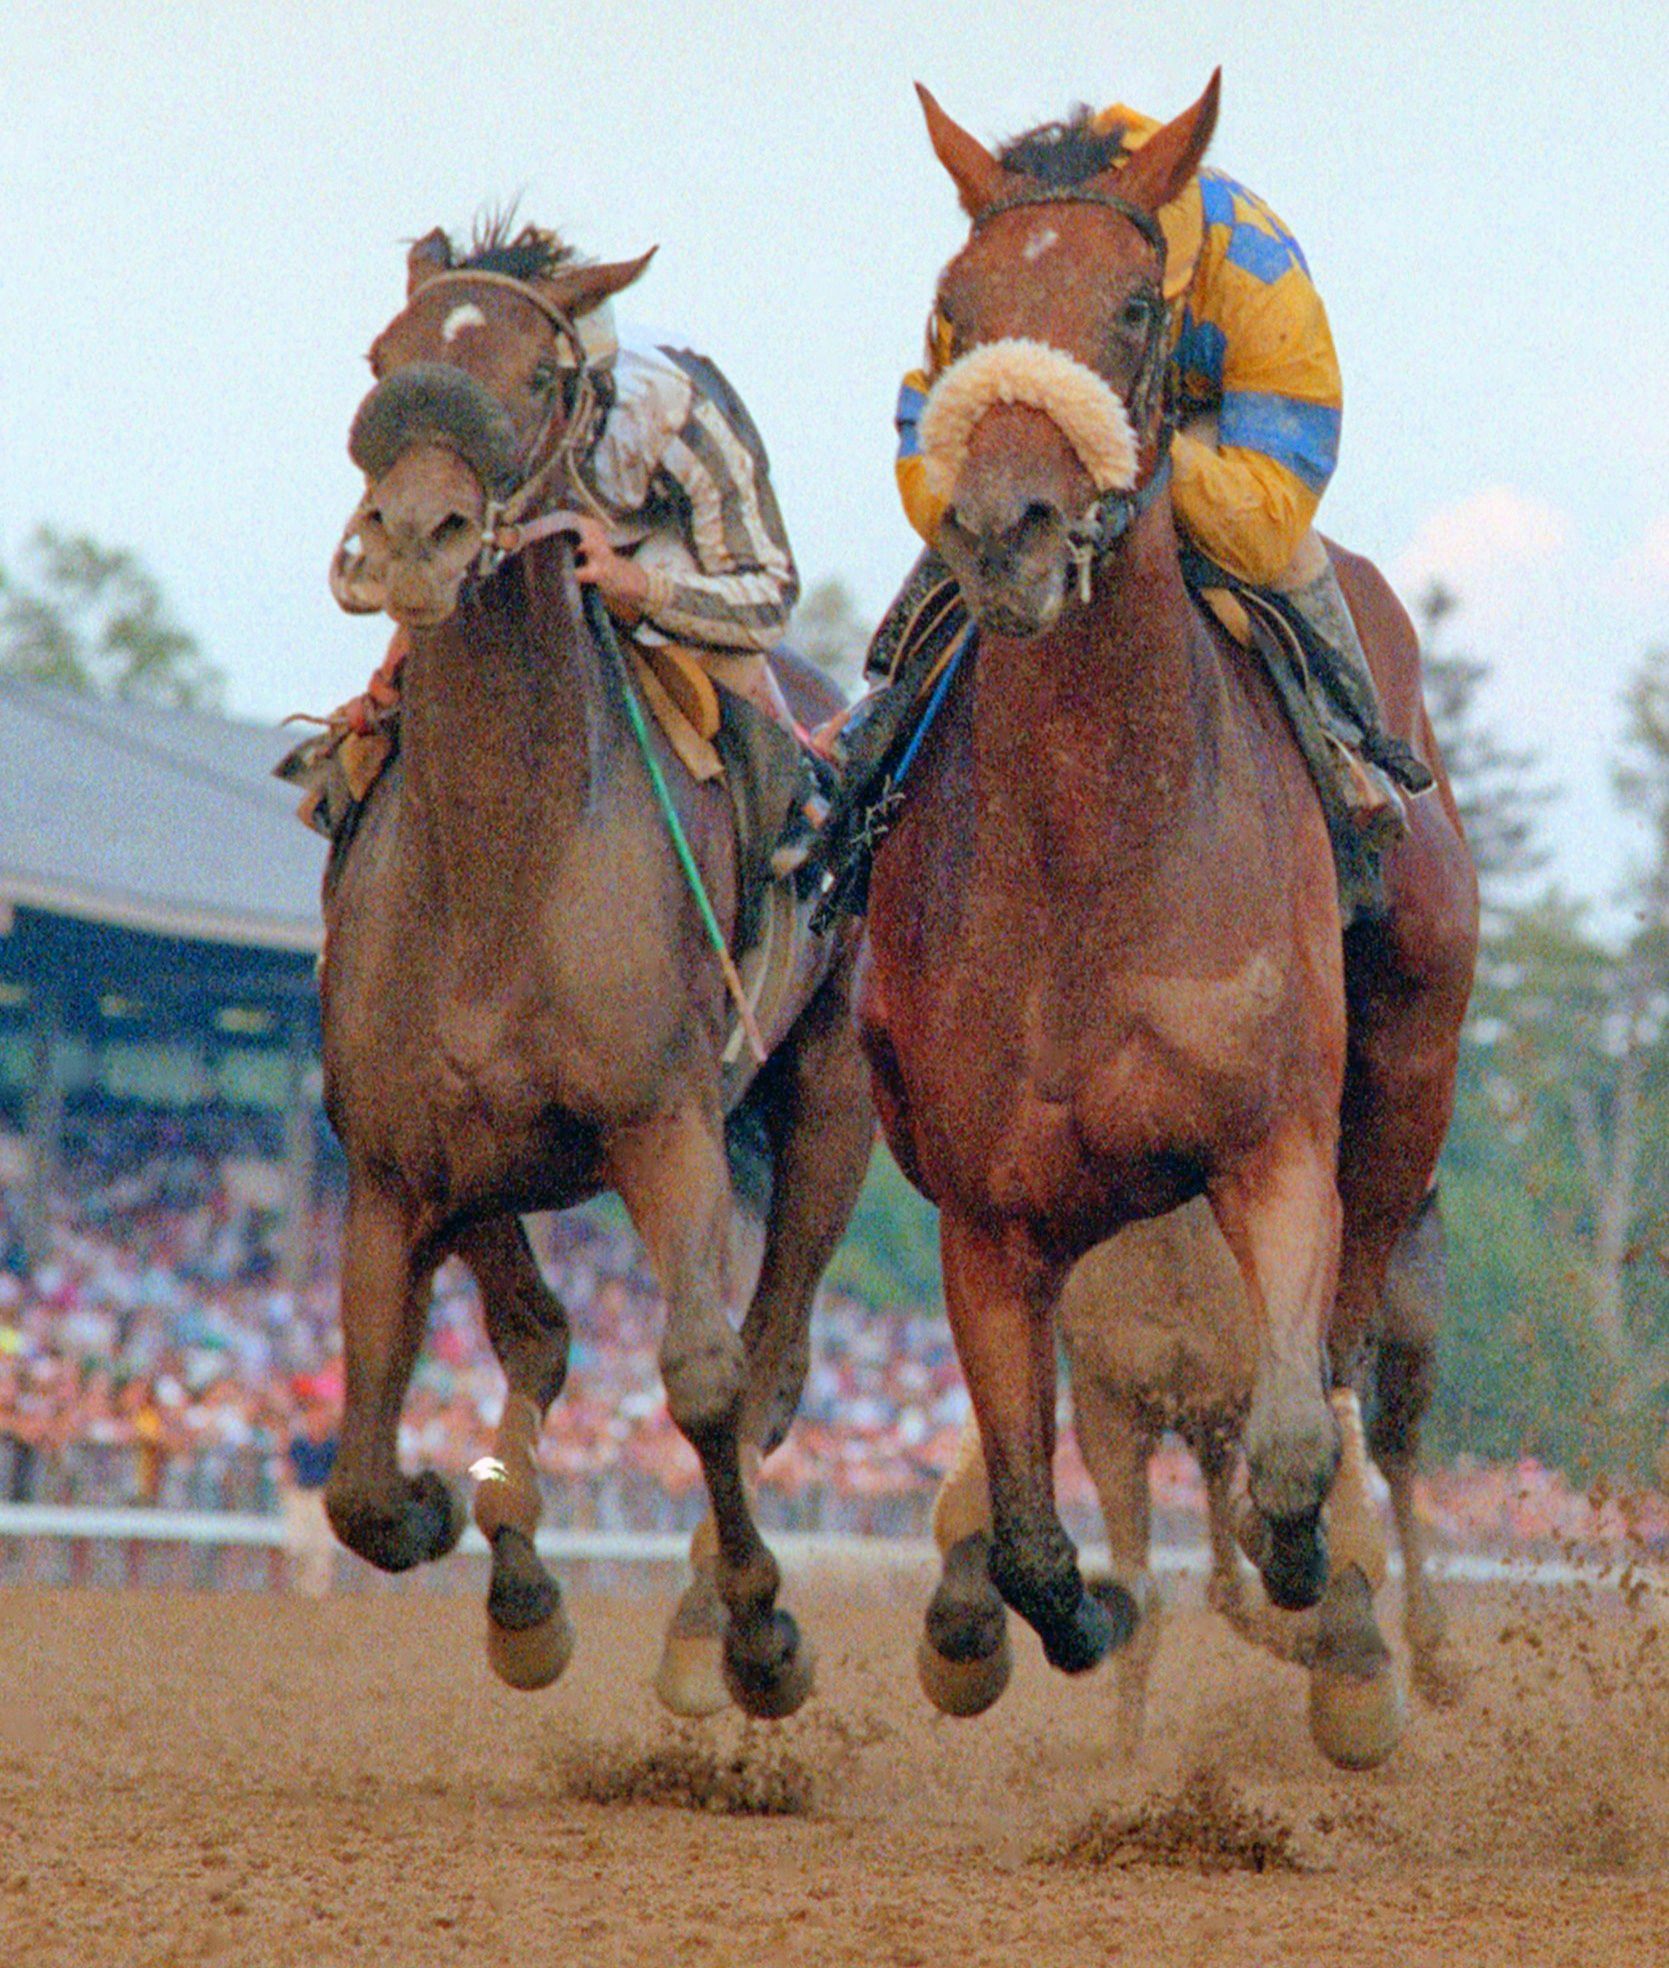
1066	153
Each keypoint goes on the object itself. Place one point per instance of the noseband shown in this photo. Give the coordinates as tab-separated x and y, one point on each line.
506	524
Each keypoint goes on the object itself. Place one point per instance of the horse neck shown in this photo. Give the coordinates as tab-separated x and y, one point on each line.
504	727
1091	735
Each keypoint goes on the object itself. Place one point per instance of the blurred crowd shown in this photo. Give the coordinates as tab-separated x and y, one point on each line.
152	1354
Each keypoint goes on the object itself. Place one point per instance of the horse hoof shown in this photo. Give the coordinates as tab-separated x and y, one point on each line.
1097	1625
1356	1724
690	1680
521	1594
1294	1561
964	1688
435	1516
1357	1707
530	1657
1120	1604
771	1678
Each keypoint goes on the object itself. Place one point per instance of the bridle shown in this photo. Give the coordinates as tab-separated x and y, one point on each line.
506	527
1092	536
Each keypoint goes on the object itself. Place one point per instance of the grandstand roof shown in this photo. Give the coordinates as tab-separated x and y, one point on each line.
156	820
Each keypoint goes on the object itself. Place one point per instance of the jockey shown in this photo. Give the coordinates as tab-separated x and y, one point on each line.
1255	382
682	538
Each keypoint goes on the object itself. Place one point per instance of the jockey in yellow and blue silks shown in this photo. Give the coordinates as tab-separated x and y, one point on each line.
1256	387
1257	379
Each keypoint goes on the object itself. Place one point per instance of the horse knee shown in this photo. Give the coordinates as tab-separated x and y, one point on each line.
704	1383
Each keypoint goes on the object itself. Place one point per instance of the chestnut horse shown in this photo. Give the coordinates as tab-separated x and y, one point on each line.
1103	970
520	1005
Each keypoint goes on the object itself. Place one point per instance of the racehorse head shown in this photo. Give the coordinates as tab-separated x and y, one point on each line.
482	396
1048	346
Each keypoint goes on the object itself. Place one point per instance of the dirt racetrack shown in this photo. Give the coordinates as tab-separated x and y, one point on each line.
192	1779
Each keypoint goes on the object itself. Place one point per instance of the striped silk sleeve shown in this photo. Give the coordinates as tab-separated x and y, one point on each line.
716	466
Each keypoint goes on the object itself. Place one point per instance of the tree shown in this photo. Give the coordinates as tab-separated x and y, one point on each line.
1575	1080
828	629
91	618
1495	785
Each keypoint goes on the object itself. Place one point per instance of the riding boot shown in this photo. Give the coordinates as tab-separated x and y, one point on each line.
780	795
1372	767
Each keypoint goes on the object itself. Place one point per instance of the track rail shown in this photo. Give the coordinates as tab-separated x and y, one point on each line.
231	1530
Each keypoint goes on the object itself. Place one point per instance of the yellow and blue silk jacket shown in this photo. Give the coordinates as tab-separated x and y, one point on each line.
1250	346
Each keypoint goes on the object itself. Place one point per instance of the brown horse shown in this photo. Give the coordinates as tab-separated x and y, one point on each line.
1158	1335
1104	970
520	1005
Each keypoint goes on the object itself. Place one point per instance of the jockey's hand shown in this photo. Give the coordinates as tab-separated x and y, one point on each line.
616	576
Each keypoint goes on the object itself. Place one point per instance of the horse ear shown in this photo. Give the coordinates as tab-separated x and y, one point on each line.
978	177
578	289
429	255
1169	158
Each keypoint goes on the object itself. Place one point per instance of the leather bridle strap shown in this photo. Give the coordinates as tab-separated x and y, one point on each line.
1144	222
503	530
1112	516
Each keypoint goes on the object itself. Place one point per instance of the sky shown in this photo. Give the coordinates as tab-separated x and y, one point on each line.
206	209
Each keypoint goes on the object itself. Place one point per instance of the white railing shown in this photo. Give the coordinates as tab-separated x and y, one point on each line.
211	1530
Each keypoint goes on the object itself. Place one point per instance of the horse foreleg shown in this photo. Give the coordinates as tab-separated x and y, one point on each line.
813	1101
963	1659
1001	1301
529	1640
1279	1215
392	1520
1116	1442
671	1174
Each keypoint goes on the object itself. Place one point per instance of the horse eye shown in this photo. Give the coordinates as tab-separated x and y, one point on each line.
1137	312
544	377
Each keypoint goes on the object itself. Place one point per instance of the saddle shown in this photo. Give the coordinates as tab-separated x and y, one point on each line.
927	632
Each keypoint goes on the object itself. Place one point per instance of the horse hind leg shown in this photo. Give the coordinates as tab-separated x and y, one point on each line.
391	1520
1405	1380
529	1640
963	1659
1116	1443
1357	1706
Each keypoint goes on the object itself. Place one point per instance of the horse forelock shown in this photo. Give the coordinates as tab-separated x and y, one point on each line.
533	253
1063	154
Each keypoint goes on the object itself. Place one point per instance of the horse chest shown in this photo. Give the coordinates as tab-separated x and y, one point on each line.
1139	1092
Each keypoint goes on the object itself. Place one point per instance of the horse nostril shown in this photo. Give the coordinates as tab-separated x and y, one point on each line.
1037	518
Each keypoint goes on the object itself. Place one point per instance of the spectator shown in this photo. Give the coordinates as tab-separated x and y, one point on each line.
309	1542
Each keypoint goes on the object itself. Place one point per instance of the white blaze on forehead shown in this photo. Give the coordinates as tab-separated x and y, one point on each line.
1040	242
465	315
